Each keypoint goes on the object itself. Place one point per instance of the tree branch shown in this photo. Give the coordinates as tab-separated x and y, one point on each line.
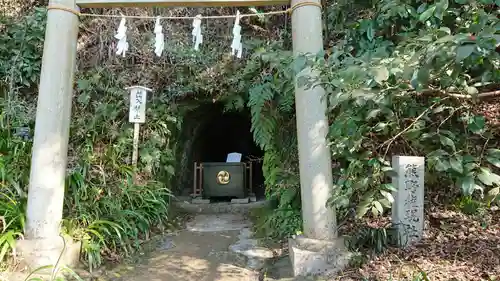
391	140
462	96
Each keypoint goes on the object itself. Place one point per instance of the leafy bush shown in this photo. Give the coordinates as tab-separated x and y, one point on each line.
110	211
21	44
406	81
403	77
271	102
14	157
103	207
377	239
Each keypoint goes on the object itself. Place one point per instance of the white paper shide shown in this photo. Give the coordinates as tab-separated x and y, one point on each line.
159	38
121	35
237	46
122	46
197	36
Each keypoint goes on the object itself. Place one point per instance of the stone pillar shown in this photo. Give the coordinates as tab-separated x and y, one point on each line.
43	244
319	252
312	126
408	206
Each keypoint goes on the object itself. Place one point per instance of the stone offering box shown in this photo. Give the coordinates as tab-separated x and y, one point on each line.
222	179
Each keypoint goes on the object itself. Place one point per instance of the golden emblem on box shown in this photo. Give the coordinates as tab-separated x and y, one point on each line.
223	177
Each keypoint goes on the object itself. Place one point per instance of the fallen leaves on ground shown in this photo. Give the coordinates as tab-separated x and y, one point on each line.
455	247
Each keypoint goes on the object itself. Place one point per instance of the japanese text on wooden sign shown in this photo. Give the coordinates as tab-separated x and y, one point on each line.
137	111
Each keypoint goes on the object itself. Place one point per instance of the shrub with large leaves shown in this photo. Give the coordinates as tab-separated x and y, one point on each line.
103	207
407	81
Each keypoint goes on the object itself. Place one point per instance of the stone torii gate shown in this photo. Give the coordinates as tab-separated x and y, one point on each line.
42	244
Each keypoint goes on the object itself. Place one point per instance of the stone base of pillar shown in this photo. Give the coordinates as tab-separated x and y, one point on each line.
311	257
33	254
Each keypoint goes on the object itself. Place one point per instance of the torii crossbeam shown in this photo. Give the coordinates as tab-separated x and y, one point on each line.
50	147
177	3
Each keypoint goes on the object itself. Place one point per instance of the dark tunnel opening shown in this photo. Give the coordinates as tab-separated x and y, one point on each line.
226	132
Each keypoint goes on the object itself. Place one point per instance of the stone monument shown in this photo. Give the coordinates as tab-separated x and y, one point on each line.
408	206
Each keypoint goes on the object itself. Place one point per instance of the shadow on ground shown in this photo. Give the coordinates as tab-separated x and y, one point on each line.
189	256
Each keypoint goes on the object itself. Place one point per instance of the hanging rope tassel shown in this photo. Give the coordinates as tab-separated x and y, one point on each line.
197	37
159	38
121	35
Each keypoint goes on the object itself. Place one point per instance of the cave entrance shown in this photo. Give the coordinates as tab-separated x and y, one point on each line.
221	133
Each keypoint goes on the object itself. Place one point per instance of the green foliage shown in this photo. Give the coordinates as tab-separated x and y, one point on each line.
277	222
371	238
404	77
103	207
470	206
21	44
404	82
271	101
14	157
401	76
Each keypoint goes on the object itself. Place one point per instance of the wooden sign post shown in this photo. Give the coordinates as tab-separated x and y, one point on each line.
137	115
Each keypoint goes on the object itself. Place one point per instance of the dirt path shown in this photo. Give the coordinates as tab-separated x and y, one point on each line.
195	257
201	252
216	247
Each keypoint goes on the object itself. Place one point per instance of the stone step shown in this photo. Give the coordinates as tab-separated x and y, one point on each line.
218	222
256	256
185	204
